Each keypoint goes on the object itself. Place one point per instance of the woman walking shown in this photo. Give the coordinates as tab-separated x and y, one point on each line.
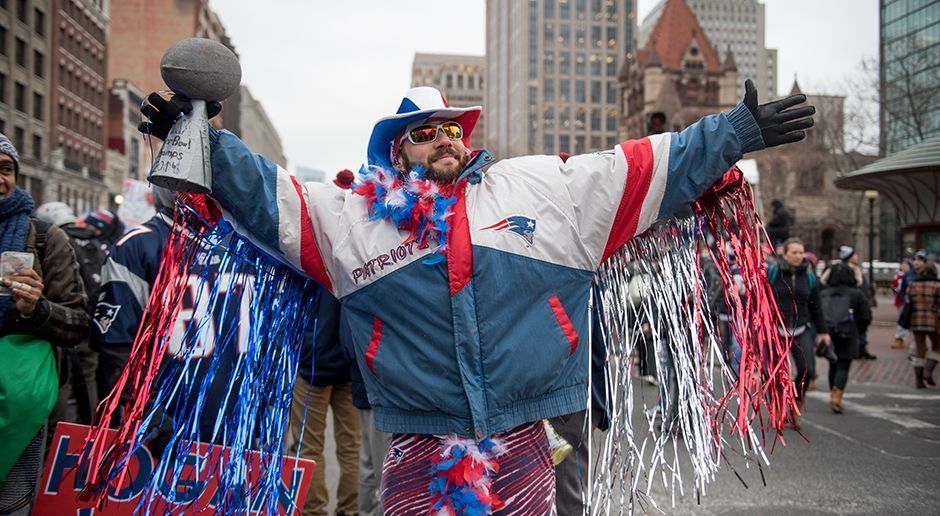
899	286
924	296
796	290
847	313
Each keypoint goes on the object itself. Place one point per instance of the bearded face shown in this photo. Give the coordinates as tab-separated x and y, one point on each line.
442	159
442	165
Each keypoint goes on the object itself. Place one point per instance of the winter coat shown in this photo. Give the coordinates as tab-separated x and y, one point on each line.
493	336
360	397
322	349
60	317
797	296
845	338
924	293
778	227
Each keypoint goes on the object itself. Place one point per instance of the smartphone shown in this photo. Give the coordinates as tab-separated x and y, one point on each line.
12	262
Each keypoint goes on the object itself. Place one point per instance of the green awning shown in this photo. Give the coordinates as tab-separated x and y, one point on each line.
910	179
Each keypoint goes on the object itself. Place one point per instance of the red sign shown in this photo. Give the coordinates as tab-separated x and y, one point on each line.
190	491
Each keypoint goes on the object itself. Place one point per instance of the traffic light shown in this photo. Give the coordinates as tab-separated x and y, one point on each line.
655	123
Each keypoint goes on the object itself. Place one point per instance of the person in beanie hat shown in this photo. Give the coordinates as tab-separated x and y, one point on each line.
778	227
847	312
924	296
850	257
42	312
466	280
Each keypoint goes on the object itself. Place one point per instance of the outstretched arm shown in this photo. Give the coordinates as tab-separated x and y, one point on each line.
264	200
268	202
619	194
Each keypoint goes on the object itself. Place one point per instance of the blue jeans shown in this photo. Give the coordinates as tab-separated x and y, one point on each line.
730	347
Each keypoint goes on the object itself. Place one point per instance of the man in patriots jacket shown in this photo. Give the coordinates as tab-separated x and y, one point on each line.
467	290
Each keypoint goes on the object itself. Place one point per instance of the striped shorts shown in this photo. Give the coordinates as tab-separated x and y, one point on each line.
525	481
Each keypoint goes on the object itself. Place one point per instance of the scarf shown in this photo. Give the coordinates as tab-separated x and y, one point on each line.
416	205
14	227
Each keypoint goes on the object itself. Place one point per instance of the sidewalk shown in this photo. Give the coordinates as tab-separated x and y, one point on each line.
892	366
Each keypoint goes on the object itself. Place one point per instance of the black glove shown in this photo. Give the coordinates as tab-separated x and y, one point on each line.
163	113
778	123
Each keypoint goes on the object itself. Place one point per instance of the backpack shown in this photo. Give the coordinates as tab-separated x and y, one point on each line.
839	314
39	245
90	259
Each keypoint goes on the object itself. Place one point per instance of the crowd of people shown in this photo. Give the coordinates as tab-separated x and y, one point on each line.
827	311
72	309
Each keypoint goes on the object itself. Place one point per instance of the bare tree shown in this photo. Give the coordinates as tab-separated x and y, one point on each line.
911	86
862	90
846	128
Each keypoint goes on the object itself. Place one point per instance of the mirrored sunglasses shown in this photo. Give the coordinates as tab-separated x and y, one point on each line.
428	133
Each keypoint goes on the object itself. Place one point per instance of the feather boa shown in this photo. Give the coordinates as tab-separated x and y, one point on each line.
416	205
462	477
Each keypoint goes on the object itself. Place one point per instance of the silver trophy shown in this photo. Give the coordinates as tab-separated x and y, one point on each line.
203	71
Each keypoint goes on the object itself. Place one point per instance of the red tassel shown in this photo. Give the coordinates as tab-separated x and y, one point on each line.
763	382
147	353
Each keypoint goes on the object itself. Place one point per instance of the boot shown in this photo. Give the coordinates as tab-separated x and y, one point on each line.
835	400
798	414
919	377
928	372
898	344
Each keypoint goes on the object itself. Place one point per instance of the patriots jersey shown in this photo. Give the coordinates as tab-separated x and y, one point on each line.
205	324
126	280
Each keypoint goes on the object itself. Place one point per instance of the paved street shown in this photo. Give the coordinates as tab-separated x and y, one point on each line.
882	456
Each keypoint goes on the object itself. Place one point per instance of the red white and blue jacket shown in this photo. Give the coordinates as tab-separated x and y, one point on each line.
495	335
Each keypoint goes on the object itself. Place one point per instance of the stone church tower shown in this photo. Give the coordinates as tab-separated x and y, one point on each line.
676	78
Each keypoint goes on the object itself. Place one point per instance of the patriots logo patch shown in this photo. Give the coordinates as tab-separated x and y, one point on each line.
105	315
518	225
398	453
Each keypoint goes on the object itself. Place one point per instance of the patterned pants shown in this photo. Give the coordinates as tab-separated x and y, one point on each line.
525	482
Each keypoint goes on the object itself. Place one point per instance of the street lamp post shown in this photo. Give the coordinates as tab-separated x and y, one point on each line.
871	195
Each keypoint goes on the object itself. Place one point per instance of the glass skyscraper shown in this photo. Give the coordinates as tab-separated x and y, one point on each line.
910	72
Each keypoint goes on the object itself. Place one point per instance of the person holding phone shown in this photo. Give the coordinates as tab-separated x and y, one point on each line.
42	311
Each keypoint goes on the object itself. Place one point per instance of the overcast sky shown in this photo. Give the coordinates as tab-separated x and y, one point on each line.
325	71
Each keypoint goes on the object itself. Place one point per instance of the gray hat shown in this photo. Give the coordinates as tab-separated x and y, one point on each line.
921	255
846	252
6	147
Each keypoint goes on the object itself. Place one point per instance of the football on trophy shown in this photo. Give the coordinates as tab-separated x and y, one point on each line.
201	69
